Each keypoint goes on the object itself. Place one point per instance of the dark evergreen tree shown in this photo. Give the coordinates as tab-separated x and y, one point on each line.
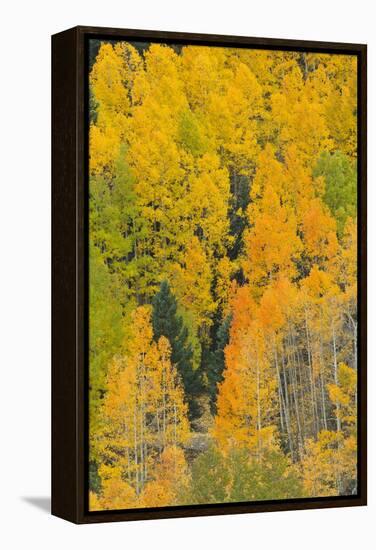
167	322
94	478
216	361
237	212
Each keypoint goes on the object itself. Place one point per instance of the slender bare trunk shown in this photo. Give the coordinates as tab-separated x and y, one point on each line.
258	406
142	446
322	383
335	366
287	406
312	382
136	452
323	401
280	395
175	424
355	344
295	391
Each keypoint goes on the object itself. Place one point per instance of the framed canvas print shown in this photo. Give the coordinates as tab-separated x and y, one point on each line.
209	274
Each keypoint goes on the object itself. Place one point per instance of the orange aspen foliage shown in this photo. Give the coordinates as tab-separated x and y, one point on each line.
246	398
272	244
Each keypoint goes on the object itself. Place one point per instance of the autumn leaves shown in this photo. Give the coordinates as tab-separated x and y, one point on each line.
222	271
144	415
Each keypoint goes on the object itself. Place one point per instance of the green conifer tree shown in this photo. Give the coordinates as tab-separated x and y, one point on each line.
167	322
216	361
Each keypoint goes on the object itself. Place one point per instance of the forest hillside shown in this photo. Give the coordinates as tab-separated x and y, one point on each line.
223	275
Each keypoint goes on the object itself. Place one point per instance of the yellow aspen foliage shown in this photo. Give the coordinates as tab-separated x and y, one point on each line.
299	187
144	409
94	502
107	80
116	493
270	67
346	268
341	116
269	174
162	71
157	493
299	119
170	478
333	80
204	73
191	283
329	465
233	118
104	147
207	204
344	393
110	79
322	466
321	299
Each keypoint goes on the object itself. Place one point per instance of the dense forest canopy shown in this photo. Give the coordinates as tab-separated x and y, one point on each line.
223	275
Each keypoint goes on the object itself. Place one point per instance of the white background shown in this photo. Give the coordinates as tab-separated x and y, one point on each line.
25	272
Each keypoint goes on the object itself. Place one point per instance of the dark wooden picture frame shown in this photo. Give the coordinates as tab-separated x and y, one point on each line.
70	280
